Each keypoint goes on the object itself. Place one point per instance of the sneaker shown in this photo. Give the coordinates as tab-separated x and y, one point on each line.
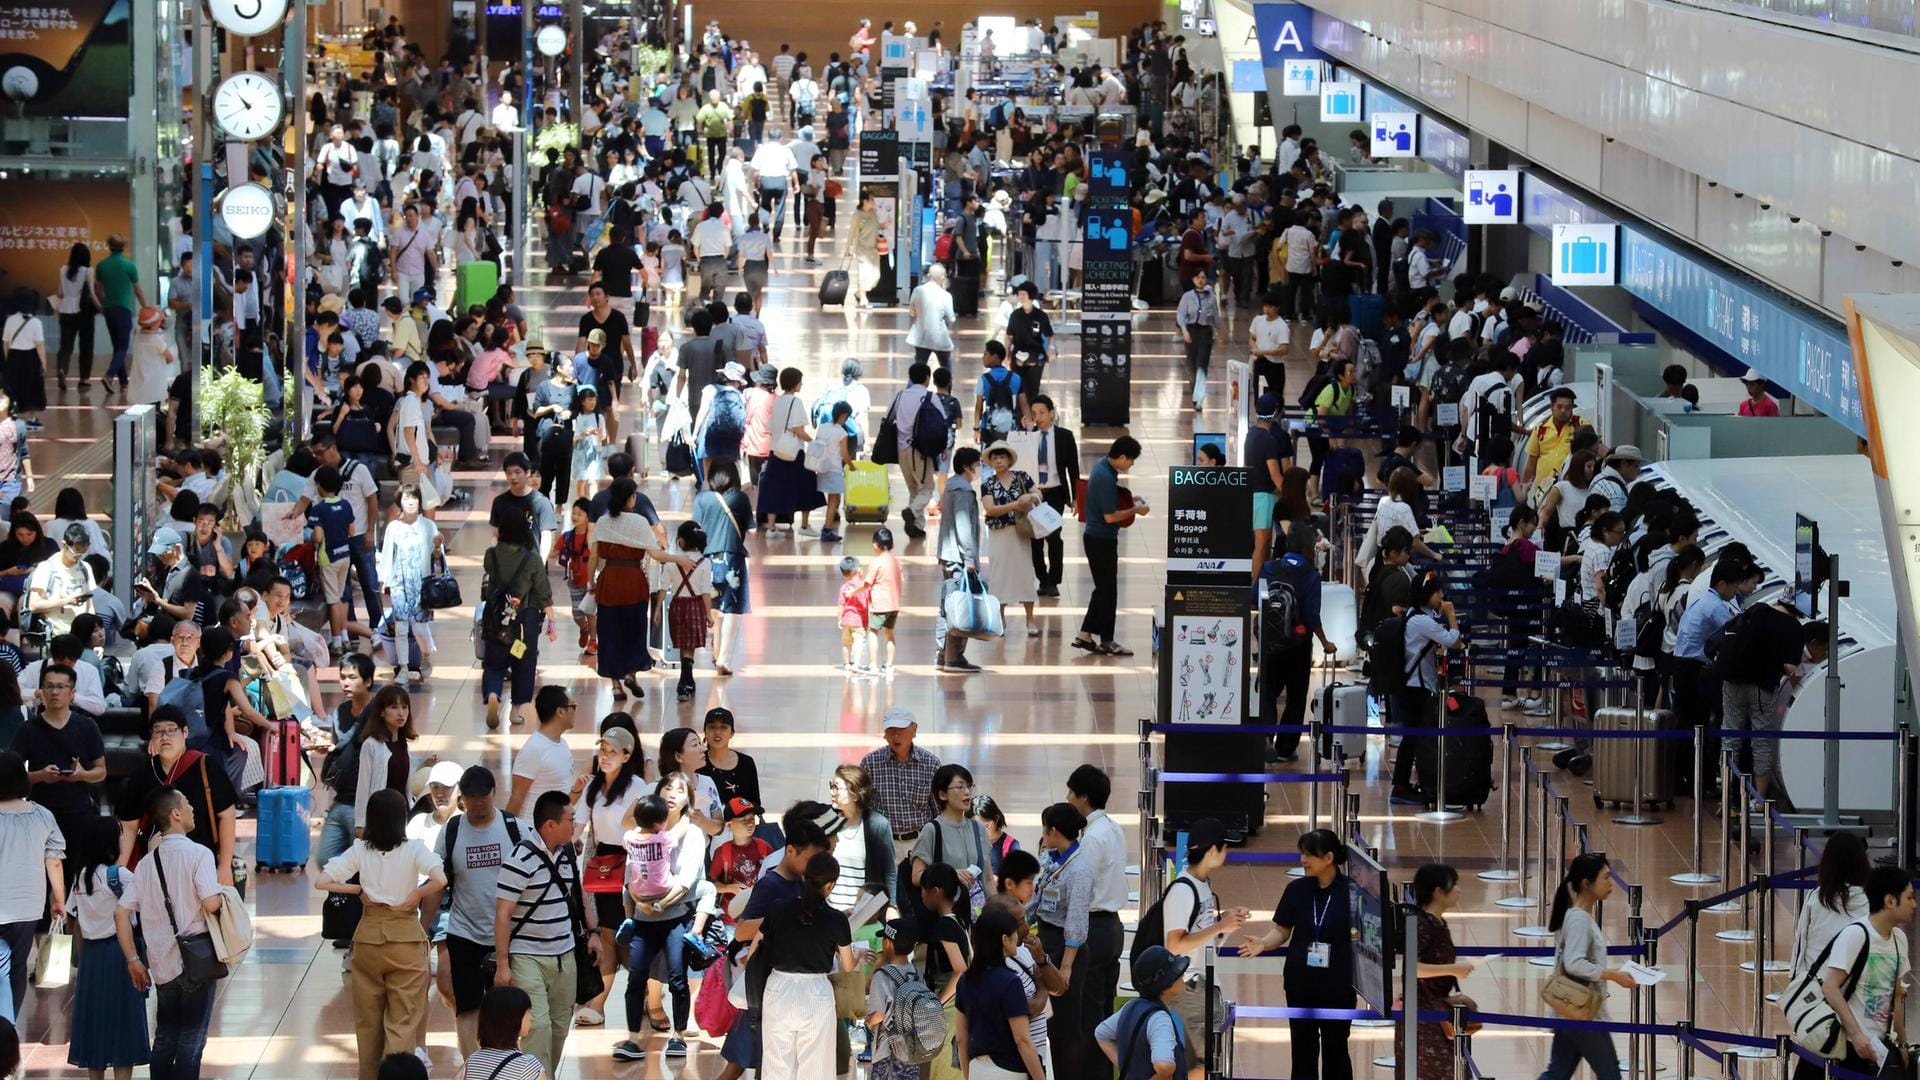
828	536
628	1050
493	714
676	1047
401	677
963	667
623	937
1540	709
421	1053
1406	797
1509	703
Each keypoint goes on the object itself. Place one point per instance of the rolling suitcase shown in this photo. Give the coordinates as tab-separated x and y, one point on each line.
475	283
1366	308
1617	761
282	841
833	289
285	752
966	297
867	497
1342	705
1469	755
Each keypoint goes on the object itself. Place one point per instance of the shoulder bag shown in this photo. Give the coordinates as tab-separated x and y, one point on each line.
440	589
199	966
786	445
1810	1018
886	439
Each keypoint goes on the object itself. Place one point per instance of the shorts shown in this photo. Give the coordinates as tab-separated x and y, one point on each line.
333	581
848	633
831	482
1263	502
576	594
883	620
470	984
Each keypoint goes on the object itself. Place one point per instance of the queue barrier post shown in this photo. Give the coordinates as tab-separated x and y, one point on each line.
1440	815
1693	987
1505	872
1783	1050
1903	791
1726	825
1769	902
1538	928
1651	1009
1743	823
1150	875
1207	1020
1683	1032
1762	886
1699	875
1521	901
1636	926
1353	814
1462	1044
1314	727
1562	806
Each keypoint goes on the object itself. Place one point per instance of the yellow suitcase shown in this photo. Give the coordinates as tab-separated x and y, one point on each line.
866	492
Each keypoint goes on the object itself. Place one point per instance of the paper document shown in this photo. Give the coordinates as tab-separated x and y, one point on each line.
1642	974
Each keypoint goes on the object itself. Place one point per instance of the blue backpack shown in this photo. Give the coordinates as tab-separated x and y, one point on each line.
823	405
187	692
726	421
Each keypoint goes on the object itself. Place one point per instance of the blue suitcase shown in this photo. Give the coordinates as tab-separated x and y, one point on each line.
1343	472
283	841
1366	308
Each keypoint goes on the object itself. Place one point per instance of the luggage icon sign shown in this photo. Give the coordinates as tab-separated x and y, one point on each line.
1583	255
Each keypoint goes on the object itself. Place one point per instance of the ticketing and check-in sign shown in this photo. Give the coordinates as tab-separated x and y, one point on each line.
1491	197
1340	102
1586	254
1302	78
1396	134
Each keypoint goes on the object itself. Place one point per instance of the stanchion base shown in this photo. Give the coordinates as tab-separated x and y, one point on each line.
1736	935
1774	967
1724	908
1775	996
1373	1023
1541	961
1695	879
1533	932
1440	817
1753	1053
1552	747
1519	902
1498	875
1387	1062
1636	819
1297	872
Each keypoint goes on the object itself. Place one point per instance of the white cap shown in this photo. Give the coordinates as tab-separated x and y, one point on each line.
1509	294
1753	375
445	773
898	717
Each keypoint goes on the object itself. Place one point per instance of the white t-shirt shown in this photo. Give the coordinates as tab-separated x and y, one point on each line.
356	487
386	877
594	188
1189	909
1887	965
408	416
1268	334
1573	499
1819	924
339	161
773	161
547	763
22	332
1300	248
608	817
850	848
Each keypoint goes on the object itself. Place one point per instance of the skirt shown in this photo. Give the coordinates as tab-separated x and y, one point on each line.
1010	567
622	630
26	381
788	487
687	620
109	1015
730	595
587	463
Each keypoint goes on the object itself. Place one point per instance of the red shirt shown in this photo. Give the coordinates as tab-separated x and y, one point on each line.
1766	406
736	865
855	602
1193	243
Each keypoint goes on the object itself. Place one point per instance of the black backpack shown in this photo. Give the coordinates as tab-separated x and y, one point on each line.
1388	666
929	436
1450	384
1491	420
1153	923
1282	630
1322	375
999	397
452	835
500	618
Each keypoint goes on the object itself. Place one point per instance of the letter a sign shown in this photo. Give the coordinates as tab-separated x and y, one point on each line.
1286	33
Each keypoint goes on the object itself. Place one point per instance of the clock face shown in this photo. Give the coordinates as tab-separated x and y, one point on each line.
248	18
248	106
20	83
247	211
551	40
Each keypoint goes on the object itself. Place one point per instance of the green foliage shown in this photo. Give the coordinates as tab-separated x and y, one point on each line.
649	59
551	143
235	406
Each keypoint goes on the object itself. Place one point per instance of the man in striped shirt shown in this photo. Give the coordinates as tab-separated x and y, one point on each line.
534	926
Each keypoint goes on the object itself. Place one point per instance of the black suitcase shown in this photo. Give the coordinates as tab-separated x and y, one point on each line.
966	297
1242	808
833	290
1469	757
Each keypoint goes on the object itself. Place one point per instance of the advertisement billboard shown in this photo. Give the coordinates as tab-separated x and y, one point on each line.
41	220
67	58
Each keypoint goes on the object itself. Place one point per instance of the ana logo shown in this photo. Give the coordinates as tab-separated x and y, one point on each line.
1210	564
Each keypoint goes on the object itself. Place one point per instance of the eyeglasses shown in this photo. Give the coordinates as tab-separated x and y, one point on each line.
167	733
959	785
58	687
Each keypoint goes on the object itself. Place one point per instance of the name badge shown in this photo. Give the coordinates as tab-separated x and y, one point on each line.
1319	954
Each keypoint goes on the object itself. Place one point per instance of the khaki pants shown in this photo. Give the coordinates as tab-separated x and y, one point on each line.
918	472
550	982
389	985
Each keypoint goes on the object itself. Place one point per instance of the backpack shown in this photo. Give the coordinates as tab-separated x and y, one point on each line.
914	1027
822	413
1450	384
910	902
1370	374
1388	667
1322	375
943	248
998	415
452	834
340	770
1650	629
1282	630
187	692
1153	924
1506	571
1619	575
1490	420
929	436
726	420
500	613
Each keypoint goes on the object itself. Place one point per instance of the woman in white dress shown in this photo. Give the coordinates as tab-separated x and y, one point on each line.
1007	496
73	302
153	362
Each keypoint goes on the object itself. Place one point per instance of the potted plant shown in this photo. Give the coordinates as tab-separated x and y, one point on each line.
233	414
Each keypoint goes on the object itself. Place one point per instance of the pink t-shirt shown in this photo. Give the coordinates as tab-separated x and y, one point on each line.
854	604
486	368
649	864
885	575
758	439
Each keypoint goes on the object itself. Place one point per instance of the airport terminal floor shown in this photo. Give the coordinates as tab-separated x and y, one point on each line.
1043	704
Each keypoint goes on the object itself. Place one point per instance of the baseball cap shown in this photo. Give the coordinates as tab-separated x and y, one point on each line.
422	295
898	717
163	541
1753	375
618	738
445	773
1509	294
739	807
1203	836
904	933
596	337
1267	406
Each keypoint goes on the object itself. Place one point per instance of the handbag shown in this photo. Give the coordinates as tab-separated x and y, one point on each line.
588	982
1022	527
439	590
1575	999
1472	1006
603	873
199	965
53	962
786	445
340	914
972	611
1044	520
1810	1018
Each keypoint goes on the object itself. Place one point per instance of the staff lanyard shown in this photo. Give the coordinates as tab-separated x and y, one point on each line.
1320	916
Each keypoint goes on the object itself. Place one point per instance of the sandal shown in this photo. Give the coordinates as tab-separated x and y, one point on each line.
1114	648
633	684
1086	645
658	1020
619	694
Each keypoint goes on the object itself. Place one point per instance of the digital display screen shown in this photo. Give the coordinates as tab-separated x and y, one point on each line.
1373	917
1806	577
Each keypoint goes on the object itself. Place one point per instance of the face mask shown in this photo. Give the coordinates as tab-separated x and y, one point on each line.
1479	307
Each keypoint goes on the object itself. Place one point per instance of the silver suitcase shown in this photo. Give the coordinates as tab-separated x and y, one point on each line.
1343	705
1616	762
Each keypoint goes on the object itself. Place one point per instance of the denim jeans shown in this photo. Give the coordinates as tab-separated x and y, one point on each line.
336	832
120	332
366	568
1571	1047
180	1029
649	939
952	580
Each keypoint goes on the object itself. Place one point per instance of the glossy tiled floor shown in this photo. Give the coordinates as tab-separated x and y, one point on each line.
1040	709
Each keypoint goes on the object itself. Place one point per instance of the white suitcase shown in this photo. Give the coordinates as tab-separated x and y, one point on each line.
1343	705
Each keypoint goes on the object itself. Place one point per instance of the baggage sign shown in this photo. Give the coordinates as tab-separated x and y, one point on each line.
1209	524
